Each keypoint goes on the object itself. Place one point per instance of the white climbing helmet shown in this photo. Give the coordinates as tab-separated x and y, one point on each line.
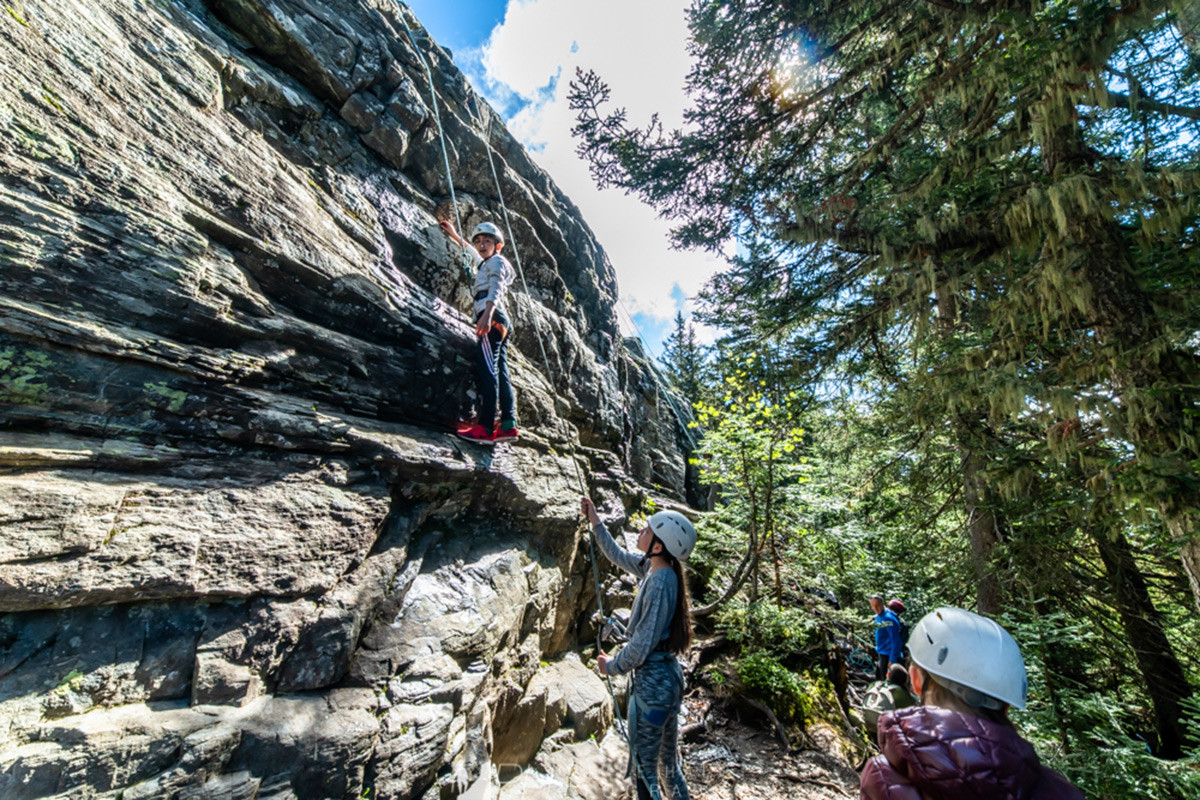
490	230
676	533
972	656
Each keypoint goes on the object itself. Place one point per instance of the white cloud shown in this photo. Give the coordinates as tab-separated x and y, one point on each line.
639	48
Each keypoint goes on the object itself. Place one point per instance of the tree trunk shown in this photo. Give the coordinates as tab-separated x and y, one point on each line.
983	529
1163	676
1154	412
982	525
1189	554
1189	25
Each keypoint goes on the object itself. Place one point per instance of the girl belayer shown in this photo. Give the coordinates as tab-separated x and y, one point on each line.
660	629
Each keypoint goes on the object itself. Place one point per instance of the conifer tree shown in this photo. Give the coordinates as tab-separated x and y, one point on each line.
1006	193
683	360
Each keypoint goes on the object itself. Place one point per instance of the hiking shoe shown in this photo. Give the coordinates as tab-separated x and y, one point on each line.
501	435
477	434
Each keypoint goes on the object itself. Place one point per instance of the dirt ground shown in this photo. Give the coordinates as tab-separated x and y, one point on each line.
738	756
730	752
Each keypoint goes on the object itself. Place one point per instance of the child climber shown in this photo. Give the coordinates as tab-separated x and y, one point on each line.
660	628
959	742
492	327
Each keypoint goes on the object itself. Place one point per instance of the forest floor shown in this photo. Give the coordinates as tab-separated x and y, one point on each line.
731	751
738	755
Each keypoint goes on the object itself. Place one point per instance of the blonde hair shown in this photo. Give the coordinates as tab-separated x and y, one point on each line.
933	693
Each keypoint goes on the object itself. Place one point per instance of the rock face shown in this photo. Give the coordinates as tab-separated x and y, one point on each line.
240	557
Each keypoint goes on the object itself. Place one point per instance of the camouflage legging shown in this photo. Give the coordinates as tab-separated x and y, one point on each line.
654	727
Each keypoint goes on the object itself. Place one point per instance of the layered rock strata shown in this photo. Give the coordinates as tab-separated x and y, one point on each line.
241	558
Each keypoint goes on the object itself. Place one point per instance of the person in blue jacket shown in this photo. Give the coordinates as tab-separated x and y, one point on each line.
660	630
888	644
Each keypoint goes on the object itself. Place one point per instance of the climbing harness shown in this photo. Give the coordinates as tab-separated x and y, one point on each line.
437	116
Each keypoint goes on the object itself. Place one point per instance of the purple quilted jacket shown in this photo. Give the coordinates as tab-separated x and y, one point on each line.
932	753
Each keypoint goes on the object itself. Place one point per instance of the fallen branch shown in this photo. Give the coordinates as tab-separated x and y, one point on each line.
779	729
796	778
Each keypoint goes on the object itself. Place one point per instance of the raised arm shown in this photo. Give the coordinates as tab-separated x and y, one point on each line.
448	228
612	551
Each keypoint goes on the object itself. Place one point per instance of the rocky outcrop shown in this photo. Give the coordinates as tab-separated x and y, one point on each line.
241	557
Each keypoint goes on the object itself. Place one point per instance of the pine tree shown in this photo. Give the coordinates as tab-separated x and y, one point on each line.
1009	195
982	223
684	360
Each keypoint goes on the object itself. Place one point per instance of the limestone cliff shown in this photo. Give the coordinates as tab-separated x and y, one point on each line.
240	557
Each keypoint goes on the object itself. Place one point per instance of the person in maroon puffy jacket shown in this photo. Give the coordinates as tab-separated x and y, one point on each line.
959	742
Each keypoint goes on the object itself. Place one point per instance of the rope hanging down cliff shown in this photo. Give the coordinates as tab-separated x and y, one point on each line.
524	285
604	621
437	116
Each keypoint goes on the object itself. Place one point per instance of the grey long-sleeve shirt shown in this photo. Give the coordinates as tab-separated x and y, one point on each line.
653	608
492	280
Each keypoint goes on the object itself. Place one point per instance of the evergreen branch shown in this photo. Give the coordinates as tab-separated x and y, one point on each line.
866	26
950	5
935	516
1143	103
871	478
928	94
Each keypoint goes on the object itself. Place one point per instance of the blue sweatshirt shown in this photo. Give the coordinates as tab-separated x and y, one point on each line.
887	635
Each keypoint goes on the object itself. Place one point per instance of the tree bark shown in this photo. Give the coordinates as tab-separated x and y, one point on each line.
983	530
982	524
1189	25
1164	680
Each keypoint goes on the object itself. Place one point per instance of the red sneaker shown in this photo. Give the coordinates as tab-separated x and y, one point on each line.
501	435
477	434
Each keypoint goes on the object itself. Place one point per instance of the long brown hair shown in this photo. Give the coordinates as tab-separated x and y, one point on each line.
680	637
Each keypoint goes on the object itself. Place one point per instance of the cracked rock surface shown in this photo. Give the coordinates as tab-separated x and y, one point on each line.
241	556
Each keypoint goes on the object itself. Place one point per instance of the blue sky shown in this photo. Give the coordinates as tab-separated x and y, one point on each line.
459	24
521	55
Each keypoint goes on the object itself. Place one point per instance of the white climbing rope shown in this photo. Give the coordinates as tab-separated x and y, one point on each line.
605	621
549	376
437	116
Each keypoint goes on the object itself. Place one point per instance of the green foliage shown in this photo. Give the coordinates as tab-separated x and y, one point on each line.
766	628
684	360
968	266
752	451
1107	759
784	691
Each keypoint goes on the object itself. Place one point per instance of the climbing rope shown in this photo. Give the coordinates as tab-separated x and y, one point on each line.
437	116
684	424
524	285
607	622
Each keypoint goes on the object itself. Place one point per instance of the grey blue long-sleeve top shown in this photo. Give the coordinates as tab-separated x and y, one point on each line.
653	608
